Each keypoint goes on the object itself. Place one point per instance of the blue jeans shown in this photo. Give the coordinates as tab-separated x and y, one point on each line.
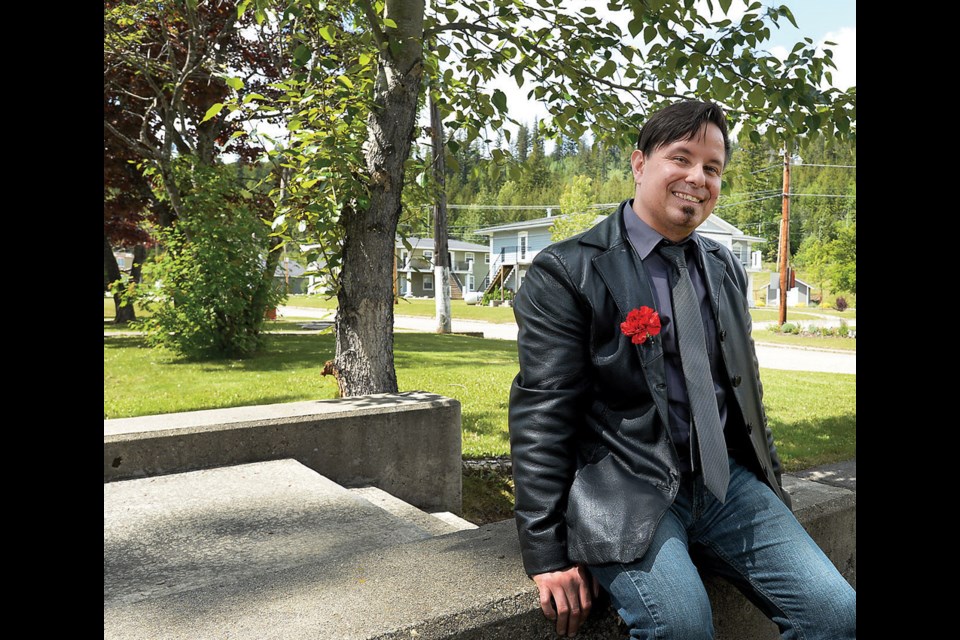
755	542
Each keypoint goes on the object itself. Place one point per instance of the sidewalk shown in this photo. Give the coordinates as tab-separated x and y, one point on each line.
769	356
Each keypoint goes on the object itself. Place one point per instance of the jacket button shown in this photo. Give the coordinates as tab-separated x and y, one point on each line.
723	335
735	380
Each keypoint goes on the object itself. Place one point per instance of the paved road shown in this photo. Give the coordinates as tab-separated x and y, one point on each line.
770	356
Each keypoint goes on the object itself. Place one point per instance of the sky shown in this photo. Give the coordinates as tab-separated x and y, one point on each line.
825	20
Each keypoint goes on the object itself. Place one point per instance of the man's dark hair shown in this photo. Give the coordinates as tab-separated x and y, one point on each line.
682	121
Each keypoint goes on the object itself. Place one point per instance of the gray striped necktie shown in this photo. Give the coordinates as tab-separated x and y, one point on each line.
704	414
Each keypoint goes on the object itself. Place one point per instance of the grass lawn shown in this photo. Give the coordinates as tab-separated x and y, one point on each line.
813	414
761	336
418	307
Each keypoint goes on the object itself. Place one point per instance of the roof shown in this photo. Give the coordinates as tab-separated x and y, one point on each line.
452	245
713	224
514	226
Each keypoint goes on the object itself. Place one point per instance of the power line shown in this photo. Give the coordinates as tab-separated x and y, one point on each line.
734	204
804	164
838	166
820	195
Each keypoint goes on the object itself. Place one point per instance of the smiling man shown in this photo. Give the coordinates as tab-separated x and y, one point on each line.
640	445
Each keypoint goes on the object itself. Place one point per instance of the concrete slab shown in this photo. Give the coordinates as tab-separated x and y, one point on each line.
204	530
429	522
468	585
408	444
840	474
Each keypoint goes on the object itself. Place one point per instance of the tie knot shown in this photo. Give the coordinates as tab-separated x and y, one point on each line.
675	254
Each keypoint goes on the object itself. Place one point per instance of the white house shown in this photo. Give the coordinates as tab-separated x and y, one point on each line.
513	247
469	264
797	295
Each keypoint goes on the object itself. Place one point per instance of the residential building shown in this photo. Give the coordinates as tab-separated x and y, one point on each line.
469	264
513	247
798	291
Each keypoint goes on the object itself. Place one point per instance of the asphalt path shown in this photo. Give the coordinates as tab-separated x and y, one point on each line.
770	356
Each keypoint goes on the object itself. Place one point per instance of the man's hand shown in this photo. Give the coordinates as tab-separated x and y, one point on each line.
566	596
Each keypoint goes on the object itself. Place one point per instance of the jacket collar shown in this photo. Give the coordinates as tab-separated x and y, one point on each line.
619	262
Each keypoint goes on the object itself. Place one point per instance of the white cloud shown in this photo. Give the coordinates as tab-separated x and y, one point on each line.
844	55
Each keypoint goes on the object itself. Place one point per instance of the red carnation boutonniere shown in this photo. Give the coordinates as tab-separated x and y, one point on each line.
641	325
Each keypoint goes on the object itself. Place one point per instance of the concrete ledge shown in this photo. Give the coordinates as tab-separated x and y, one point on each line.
466	585
407	444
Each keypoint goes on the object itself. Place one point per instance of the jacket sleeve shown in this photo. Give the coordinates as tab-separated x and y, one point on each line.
546	407
748	319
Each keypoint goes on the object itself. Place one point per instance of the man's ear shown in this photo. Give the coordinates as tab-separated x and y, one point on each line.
637	164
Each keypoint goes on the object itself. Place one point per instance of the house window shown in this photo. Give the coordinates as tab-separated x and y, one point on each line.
428	255
428	282
522	245
471	258
486	258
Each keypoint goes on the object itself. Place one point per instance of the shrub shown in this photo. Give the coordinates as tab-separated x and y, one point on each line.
210	289
496	294
840	304
788	327
843	331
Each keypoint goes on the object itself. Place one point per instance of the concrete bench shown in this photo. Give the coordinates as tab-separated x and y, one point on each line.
407	444
468	584
465	585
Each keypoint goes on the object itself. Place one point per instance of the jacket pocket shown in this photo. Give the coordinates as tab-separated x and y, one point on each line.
611	513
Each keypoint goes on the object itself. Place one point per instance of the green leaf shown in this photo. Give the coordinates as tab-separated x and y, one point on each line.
453	145
326	32
500	100
608	68
345	81
635	26
253	96
365	58
234	83
390	24
725	5
212	111
785	10
301	55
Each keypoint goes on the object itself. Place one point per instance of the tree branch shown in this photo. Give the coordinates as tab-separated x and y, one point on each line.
133	145
378	35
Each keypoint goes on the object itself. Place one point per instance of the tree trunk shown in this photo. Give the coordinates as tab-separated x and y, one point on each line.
364	326
441	254
124	313
136	271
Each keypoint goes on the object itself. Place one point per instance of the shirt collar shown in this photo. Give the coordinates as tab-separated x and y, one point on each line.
642	236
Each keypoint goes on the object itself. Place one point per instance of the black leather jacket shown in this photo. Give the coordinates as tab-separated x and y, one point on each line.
593	463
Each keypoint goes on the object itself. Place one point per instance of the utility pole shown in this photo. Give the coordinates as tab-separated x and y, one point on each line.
441	255
785	235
